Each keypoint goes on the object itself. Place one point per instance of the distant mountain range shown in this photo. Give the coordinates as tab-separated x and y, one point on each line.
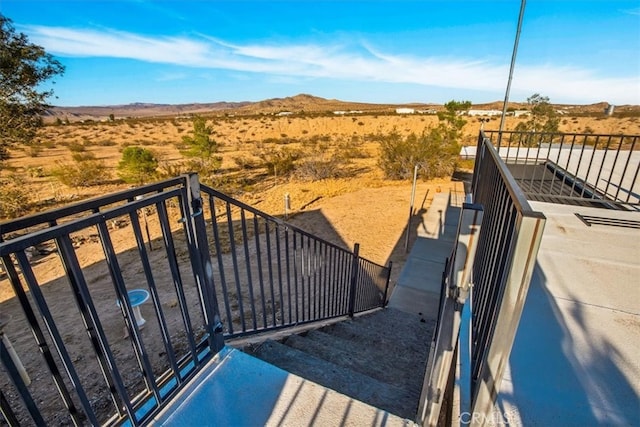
296	104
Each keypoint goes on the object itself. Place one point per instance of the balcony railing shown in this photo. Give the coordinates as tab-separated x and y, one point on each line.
599	170
507	248
213	269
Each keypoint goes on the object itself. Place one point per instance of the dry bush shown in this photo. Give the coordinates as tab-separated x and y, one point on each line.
246	162
76	147
81	174
14	198
279	162
83	157
318	168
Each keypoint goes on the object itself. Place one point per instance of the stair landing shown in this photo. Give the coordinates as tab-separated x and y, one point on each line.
239	390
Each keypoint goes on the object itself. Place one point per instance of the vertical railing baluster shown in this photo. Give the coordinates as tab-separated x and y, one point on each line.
613	167
288	272
280	281
346	275
106	361
604	157
20	386
298	269
624	173
325	280
566	168
40	339
176	276
295	276
5	407
334	281
267	233
155	298
236	271
125	306
256	231
219	256
575	175
247	261
316	271
58	342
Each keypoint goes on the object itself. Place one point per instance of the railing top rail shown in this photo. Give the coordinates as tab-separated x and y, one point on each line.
85	206
519	199
520	132
22	242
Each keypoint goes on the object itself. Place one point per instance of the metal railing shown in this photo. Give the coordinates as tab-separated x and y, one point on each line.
93	372
213	268
271	274
507	249
573	168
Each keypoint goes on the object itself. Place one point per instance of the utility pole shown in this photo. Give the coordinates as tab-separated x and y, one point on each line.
513	64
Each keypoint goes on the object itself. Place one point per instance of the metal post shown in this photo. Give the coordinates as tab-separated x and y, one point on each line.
212	317
354	279
287	205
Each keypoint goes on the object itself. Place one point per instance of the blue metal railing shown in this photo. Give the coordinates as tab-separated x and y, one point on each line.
214	269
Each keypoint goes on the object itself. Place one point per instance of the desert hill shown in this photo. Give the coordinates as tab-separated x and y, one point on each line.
301	103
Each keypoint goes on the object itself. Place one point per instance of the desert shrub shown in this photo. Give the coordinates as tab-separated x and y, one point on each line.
347	150
431	151
106	143
137	165
14	198
83	157
81	174
231	185
172	169
279	162
34	149
318	168
36	172
246	162
76	147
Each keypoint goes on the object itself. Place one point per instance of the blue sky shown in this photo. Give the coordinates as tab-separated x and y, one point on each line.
124	51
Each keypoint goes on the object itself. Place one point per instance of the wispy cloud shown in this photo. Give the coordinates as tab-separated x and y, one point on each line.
340	60
635	11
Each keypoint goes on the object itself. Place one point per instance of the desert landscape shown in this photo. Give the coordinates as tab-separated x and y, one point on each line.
247	134
351	203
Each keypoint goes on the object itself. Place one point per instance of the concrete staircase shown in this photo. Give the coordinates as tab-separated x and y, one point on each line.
380	358
377	358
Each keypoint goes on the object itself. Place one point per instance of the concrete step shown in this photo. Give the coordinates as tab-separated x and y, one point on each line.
343	380
388	328
373	362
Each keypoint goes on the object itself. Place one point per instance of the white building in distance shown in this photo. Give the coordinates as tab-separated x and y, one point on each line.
484	113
